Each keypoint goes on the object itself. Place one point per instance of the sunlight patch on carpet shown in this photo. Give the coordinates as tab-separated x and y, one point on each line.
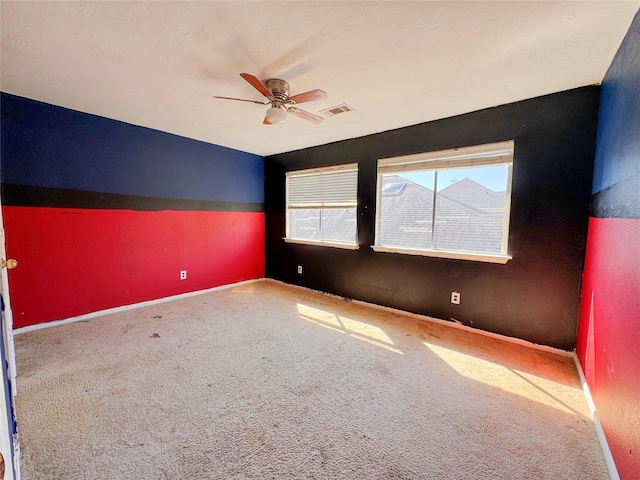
523	384
371	334
377	344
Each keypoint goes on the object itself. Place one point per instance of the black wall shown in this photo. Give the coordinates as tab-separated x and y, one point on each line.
535	296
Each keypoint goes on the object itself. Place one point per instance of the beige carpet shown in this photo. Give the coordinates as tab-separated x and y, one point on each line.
267	381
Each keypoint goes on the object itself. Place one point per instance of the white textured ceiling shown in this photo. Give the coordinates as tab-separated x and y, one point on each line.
157	64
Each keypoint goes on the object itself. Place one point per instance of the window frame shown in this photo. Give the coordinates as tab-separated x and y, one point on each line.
490	154
319	171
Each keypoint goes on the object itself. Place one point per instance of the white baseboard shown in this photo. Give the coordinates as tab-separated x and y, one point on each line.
608	457
86	316
447	323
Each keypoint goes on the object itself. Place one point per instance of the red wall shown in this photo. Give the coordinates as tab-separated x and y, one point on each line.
76	261
609	334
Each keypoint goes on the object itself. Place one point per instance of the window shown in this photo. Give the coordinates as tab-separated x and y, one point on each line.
452	203
321	206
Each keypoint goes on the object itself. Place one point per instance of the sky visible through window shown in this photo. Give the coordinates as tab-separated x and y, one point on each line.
494	178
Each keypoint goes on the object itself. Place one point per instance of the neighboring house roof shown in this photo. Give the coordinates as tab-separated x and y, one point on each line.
337	225
465	219
473	194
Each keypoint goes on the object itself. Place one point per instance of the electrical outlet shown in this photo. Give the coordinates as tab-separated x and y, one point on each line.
455	298
300	269
183	274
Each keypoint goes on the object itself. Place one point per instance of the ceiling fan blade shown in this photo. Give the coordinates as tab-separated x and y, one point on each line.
257	84
310	117
309	96
242	100
266	121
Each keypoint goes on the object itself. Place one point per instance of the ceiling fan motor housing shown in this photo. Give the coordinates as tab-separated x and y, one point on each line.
279	89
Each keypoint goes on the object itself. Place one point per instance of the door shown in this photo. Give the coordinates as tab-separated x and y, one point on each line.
9	446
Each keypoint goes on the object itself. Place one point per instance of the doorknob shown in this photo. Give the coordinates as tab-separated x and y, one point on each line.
9	264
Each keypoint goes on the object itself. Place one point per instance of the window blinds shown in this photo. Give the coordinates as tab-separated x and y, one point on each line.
334	187
478	156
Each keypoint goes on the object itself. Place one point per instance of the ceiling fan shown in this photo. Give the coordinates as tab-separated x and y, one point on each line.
277	93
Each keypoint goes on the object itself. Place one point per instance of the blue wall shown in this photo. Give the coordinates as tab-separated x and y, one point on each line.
618	141
48	146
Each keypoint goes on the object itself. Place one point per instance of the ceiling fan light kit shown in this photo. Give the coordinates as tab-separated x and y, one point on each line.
276	91
276	115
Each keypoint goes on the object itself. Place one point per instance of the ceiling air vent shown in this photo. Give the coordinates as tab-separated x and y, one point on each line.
343	108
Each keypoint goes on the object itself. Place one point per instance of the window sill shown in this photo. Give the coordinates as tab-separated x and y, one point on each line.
347	246
476	257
